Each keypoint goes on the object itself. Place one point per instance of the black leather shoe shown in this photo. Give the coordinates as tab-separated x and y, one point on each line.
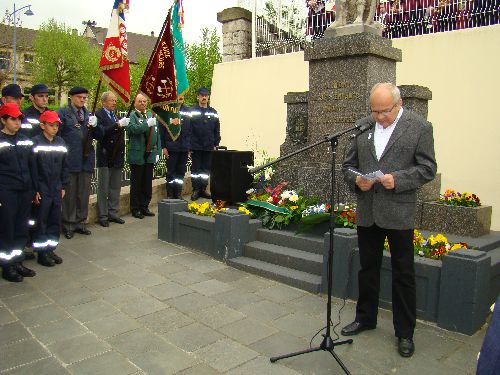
406	347
195	195
354	328
116	220
147	212
104	223
204	194
138	214
84	231
9	273
56	258
29	255
45	260
24	271
68	234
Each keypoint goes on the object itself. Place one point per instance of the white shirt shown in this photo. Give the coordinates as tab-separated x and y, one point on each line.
381	136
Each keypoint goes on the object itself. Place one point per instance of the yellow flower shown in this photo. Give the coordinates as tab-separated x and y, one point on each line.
457	246
441	238
243	209
294	198
294	207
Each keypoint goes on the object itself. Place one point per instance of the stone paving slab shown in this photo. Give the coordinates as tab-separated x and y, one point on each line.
124	302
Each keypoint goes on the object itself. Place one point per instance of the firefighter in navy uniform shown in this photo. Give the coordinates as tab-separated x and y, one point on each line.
175	143
78	129
39	97
16	193
205	137
51	181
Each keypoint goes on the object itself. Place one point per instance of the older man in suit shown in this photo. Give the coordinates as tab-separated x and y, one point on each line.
401	146
110	160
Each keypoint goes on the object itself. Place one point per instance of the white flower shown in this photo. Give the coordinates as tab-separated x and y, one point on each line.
270	199
285	195
421	253
294	198
250	191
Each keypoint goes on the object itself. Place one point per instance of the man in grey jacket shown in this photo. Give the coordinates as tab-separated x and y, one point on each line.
400	144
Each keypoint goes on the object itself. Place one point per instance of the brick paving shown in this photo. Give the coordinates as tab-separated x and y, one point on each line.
124	302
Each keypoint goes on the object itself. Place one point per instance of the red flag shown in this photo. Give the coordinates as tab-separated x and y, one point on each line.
158	82
114	60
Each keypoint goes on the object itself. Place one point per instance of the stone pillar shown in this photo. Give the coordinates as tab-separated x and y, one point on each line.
237	33
415	98
342	69
231	234
463	295
296	134
166	210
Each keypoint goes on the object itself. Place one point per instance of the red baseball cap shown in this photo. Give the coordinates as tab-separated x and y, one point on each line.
10	109
50	117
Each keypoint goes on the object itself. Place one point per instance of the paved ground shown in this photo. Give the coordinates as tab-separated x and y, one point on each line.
124	302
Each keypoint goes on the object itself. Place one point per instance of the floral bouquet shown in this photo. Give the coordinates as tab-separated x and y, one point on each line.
434	247
455	198
345	216
204	209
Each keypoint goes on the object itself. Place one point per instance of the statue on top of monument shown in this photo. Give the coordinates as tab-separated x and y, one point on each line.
355	12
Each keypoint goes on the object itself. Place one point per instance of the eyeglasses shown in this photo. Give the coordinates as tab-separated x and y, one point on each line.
385	111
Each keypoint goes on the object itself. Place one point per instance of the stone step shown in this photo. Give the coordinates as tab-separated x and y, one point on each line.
284	256
305	242
297	279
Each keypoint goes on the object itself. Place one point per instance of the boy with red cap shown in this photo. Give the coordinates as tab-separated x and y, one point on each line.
16	193
52	178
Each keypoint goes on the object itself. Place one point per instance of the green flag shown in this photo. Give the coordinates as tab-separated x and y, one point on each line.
178	44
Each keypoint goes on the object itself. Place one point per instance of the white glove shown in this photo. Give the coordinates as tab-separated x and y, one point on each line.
123	122
93	121
151	122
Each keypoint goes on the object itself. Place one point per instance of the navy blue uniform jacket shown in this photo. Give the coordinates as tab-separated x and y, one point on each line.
182	143
16	162
51	167
113	137
205	128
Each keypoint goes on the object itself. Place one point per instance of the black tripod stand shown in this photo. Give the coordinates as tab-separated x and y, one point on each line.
327	344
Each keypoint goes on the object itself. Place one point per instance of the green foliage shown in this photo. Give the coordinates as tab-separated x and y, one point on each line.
200	60
63	59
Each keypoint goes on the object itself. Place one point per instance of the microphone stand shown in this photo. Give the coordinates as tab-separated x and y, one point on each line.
327	344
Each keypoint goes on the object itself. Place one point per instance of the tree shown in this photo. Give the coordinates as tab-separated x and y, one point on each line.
200	60
64	59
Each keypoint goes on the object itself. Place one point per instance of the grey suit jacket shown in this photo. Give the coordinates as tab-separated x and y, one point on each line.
408	156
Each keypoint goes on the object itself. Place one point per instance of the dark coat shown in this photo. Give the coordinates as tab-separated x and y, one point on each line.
51	166
205	128
16	163
408	156
74	133
182	143
27	128
111	148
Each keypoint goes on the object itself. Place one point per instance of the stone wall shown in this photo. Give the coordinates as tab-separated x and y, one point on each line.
236	34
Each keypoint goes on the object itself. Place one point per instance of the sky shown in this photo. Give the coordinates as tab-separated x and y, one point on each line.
143	17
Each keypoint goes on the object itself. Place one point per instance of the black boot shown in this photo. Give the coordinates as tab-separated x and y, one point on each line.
170	191
177	192
204	194
9	273
24	271
45	260
56	258
195	195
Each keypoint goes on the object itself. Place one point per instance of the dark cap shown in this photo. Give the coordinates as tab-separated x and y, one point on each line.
202	91
12	90
78	90
10	109
39	88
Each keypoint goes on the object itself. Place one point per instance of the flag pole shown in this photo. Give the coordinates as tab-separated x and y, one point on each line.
94	105
149	62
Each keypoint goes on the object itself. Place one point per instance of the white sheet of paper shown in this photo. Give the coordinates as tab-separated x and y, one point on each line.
372	176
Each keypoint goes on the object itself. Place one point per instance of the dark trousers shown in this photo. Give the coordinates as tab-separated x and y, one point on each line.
371	247
141	177
200	169
75	206
15	207
176	169
46	234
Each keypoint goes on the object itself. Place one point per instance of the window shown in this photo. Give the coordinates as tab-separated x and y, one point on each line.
4	60
28	64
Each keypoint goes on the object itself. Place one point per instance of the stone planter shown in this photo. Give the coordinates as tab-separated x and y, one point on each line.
463	221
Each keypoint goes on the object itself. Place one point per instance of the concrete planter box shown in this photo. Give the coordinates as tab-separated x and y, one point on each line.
463	221
452	292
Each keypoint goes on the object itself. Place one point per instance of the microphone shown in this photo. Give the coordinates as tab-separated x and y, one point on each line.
361	129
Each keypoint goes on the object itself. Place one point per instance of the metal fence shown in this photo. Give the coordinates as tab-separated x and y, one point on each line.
283	26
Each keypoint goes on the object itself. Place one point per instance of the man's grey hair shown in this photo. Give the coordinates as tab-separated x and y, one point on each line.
105	95
396	94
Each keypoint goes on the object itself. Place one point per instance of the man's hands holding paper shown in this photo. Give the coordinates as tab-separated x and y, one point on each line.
366	181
